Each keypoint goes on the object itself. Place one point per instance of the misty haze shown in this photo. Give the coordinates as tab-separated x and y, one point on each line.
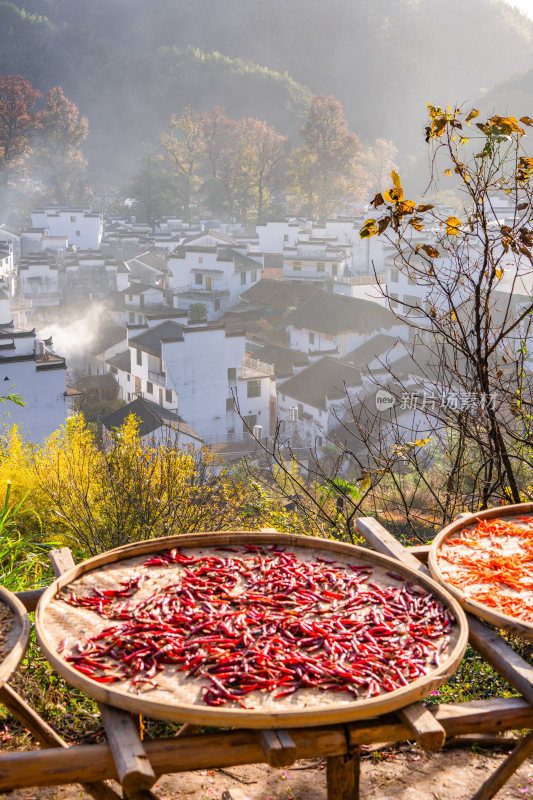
266	267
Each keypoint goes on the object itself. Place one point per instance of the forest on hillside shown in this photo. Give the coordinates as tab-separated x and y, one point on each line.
130	65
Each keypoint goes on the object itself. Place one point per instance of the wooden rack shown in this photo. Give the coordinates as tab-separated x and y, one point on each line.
137	764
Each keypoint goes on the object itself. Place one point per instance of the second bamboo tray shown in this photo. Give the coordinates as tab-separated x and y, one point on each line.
52	624
16	640
503	621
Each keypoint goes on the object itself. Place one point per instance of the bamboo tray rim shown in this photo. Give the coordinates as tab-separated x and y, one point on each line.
505	621
248	718
10	663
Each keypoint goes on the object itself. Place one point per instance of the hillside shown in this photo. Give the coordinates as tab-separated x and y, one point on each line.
130	64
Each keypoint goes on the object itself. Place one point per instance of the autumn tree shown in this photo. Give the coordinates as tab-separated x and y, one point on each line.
185	149
325	170
152	187
58	156
17	123
253	170
218	136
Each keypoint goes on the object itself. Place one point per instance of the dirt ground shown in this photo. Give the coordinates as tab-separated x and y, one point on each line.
404	774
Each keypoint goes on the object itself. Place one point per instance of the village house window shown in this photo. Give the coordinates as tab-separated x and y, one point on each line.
254	275
130	297
285	237
139	358
334	269
149	387
311	338
230	404
200	260
320	267
78	233
232	374
394	275
217	305
300	411
128	377
168	395
253	389
394	300
73	219
131	316
243	278
198	278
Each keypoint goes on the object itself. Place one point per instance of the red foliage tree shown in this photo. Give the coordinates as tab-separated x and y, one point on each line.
17	123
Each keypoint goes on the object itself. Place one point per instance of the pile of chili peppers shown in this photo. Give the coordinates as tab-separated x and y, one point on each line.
498	555
247	619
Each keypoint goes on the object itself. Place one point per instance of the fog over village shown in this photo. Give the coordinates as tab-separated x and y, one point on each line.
184	243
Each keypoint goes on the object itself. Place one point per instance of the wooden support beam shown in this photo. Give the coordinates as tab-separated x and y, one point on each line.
492	647
46	736
123	734
500	777
233	748
134	770
278	747
29	598
427	730
343	773
40	730
188	730
62	560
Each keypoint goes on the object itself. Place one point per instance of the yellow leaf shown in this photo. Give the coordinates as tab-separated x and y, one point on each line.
464	140
447	172
453	315
421	442
452	226
431	251
369	229
366	483
527	121
396	179
473	114
499	273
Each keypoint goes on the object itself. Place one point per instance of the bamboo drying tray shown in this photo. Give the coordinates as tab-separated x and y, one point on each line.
178	697
13	646
503	621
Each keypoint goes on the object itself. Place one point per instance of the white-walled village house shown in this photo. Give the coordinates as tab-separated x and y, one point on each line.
212	269
335	324
198	370
83	228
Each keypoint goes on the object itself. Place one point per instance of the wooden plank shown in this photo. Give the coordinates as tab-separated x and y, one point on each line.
278	747
133	767
17	706
500	777
420	552
188	730
95	762
233	748
517	672
29	598
343	773
62	560
428	731
46	736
